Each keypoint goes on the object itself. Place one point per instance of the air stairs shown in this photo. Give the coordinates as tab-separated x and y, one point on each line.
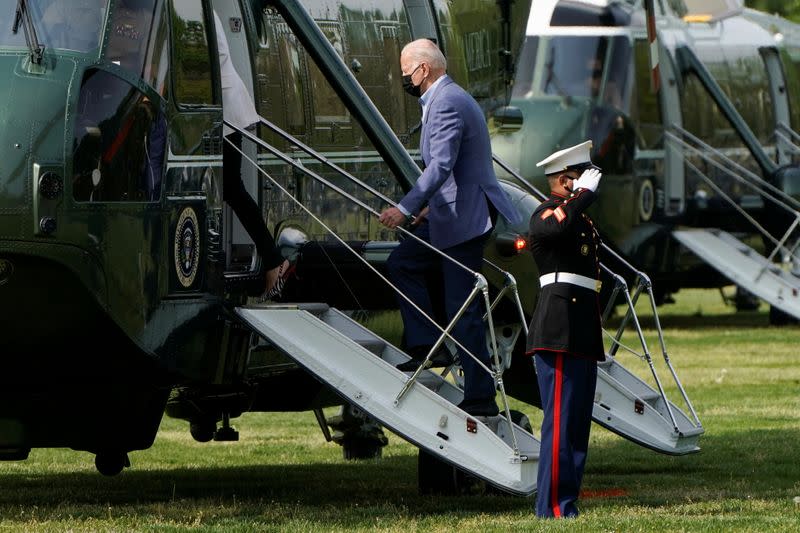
745	267
773	282
629	407
360	366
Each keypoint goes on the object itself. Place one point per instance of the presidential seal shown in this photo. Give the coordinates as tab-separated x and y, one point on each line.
187	247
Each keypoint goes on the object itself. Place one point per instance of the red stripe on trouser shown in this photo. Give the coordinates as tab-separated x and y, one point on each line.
558	378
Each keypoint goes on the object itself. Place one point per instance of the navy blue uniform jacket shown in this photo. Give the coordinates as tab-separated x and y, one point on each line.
563	239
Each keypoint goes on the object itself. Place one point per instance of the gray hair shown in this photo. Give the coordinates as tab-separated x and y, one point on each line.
426	51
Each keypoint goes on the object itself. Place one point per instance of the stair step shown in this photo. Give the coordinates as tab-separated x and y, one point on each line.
342	353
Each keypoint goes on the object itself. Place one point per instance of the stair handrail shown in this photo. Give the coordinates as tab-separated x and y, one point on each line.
765	185
779	243
789	143
792	133
481	284
510	283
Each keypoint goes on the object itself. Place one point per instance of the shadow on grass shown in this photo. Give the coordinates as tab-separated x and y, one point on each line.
742	464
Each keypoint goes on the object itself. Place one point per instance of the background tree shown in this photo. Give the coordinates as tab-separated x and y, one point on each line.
785	8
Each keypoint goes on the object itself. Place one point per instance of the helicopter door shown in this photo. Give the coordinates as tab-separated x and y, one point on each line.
193	182
780	99
421	20
237	242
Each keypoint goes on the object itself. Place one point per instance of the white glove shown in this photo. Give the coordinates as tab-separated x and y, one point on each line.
588	180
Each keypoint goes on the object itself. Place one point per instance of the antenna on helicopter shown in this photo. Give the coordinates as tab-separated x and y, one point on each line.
652	37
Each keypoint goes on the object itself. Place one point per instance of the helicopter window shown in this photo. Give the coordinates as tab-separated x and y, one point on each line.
192	61
129	30
293	70
791	63
571	13
63	24
331	119
592	67
647	111
156	61
119	142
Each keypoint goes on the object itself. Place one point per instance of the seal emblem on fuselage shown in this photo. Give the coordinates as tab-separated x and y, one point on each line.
187	247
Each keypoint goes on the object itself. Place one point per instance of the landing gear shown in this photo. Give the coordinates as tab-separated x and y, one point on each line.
522	420
226	433
203	430
111	463
435	476
745	300
780	318
360	435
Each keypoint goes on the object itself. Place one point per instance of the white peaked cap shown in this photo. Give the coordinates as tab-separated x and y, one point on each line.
577	157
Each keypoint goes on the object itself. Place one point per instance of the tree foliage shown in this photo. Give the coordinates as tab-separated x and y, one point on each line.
785	8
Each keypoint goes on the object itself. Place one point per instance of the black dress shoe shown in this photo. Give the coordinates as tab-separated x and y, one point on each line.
442	357
479	408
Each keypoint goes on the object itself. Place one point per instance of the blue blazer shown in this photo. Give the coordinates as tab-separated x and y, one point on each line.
459	180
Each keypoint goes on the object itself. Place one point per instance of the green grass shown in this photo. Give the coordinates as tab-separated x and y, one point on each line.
742	376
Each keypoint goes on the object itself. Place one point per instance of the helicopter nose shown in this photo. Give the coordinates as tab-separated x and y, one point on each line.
32	133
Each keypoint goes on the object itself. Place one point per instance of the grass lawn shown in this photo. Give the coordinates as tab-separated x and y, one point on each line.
742	376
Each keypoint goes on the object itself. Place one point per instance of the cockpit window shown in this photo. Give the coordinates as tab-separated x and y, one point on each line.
129	31
119	142
60	24
590	67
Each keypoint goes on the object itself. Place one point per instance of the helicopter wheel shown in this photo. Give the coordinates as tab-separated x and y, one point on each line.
203	430
359	435
522	420
435	476
111	463
780	318
355	449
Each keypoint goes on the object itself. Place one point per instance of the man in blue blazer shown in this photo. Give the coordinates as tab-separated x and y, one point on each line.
455	203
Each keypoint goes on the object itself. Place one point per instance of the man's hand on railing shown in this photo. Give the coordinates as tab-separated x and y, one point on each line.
392	217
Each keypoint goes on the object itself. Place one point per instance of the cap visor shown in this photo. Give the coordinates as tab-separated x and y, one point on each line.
584	166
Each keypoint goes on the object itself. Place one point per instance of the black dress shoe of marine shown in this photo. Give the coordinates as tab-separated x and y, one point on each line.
479	408
442	357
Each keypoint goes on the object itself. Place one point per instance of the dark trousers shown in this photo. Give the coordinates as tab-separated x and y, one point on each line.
567	384
243	205
409	266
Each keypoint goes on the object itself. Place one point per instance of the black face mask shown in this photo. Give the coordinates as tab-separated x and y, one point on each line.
408	85
410	88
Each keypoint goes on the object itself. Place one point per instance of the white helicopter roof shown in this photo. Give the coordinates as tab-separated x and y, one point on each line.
711	10
542	13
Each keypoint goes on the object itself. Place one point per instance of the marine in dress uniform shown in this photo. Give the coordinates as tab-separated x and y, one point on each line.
565	334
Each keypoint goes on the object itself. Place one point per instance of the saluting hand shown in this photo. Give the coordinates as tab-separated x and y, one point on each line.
392	217
590	179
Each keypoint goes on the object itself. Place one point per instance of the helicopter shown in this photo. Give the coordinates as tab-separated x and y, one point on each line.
699	155
127	281
113	219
